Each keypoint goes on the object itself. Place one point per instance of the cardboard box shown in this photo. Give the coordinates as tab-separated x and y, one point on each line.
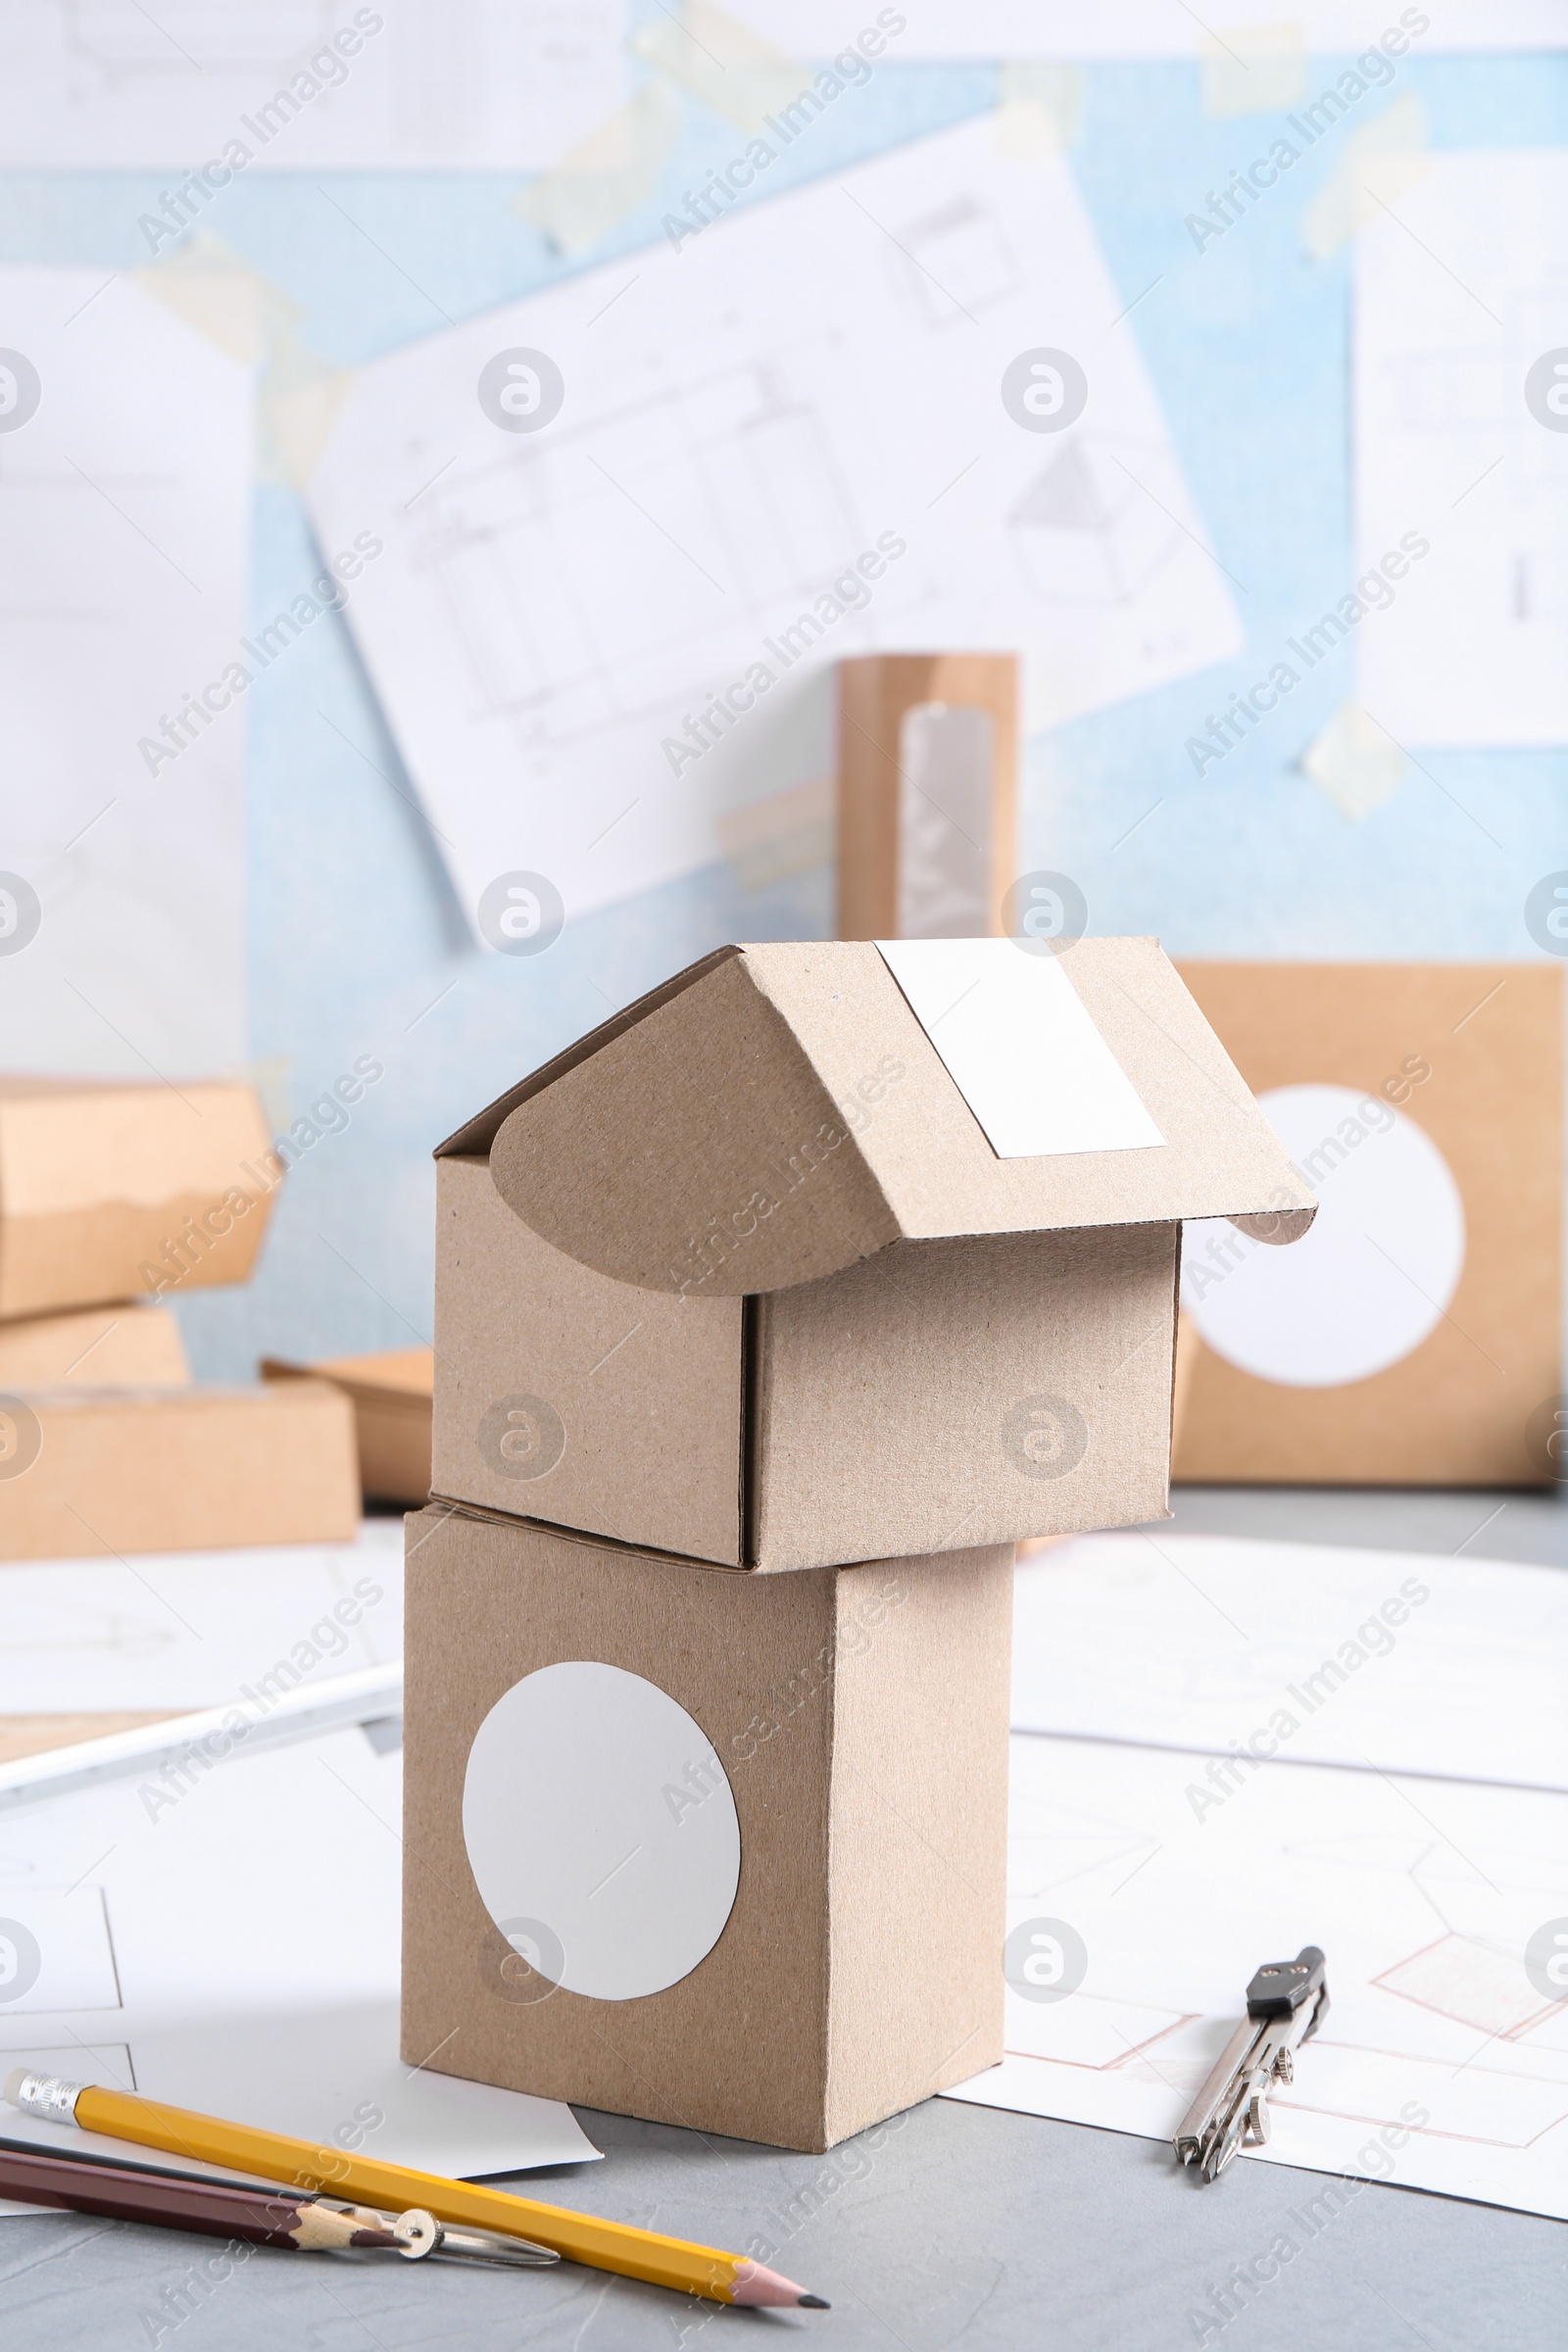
390	1393
721	1852
927	794
130	1346
111	1189
1416	1337
744	1275
85	1471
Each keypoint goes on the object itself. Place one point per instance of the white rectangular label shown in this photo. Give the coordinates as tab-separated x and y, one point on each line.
1018	1045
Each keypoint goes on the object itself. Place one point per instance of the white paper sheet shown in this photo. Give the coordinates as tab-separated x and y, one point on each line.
1456	299
1017	1042
494	85
124	511
185	1630
746	416
1060	28
1443	2064
250	1932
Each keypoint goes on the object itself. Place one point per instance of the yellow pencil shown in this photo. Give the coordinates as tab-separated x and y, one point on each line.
604	2245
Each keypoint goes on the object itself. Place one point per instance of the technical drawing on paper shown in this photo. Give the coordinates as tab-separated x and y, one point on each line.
1091	527
787	416
955	262
1456	302
560	645
496	84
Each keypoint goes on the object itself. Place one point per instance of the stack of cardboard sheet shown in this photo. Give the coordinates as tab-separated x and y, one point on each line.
113	1197
768	1318
390	1392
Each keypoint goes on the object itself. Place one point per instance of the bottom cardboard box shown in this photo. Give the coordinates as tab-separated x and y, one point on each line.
716	1850
95	1470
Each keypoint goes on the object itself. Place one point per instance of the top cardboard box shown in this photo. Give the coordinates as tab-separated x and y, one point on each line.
110	1188
839	1251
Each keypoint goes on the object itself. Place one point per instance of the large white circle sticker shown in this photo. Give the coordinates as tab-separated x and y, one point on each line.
601	1830
1372	1277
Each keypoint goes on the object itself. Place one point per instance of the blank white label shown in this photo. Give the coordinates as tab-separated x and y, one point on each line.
1020	1048
601	1830
1375	1272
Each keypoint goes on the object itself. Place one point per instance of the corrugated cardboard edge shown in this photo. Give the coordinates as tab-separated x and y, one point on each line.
480	1132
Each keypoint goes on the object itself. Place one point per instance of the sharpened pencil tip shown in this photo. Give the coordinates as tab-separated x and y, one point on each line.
815	2303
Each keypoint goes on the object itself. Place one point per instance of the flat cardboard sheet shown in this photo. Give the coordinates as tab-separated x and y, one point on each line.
1413	1335
1020	1047
1413	1822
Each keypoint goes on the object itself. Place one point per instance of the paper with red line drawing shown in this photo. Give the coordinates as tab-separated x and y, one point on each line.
1181	1864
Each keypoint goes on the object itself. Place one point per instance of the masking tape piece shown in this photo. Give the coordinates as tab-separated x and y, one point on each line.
298	392
1376	166
1355	761
724	64
604	180
1041	109
782	835
1255	69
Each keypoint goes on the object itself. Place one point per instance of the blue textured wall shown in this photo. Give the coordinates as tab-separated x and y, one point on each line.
356	945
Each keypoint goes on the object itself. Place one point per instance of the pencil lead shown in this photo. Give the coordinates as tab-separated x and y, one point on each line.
815	2303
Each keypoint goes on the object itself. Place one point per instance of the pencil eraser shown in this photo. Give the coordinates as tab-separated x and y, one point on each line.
13	2082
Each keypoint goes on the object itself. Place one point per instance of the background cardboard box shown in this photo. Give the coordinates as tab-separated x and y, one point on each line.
85	1471
1472	1055
391	1395
927	794
902	1341
111	1189
130	1346
860	1718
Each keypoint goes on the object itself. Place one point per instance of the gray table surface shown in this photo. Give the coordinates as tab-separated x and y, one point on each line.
954	2226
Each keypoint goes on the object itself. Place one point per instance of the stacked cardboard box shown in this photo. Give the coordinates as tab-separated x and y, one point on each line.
109	1192
768	1318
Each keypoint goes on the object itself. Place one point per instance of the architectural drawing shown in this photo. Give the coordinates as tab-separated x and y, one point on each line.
782	441
503	85
1457	303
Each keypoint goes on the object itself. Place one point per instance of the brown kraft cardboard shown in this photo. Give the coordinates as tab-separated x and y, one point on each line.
92	1471
1451	1071
844	1762
742	1277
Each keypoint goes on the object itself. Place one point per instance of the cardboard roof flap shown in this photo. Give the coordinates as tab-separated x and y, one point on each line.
778	1112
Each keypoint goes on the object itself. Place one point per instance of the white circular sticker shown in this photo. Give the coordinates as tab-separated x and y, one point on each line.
596	1812
1373	1276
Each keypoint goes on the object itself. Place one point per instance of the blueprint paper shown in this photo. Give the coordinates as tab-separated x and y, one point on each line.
235	1951
1422	1895
187	1630
124	511
493	85
743	419
1456	300
1376	1827
1466	1675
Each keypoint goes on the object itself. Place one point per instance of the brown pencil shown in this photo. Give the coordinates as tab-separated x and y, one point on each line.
260	2217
